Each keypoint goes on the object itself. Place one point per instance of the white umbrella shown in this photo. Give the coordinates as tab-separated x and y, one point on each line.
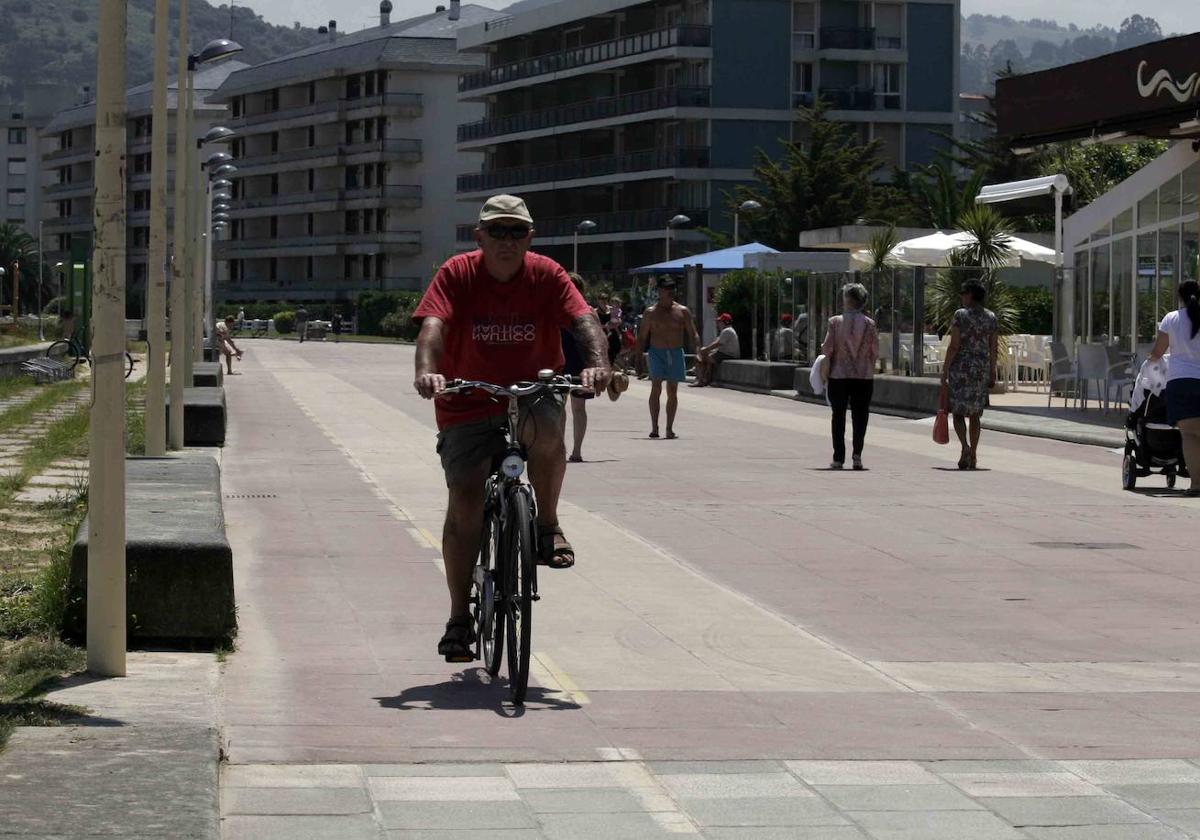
936	248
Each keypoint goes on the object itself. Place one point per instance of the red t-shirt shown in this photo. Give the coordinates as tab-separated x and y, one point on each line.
498	332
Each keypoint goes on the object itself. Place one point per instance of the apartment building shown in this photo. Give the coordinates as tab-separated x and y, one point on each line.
627	113
20	181
68	145
346	161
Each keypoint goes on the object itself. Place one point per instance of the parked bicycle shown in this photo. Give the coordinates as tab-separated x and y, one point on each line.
69	352
504	584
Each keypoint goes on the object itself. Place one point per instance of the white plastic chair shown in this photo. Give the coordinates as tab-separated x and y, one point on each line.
1060	369
1121	374
1092	366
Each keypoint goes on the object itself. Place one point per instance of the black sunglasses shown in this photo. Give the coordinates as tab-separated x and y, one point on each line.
507	232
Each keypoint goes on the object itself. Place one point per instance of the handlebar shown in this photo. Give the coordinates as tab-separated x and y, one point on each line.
554	385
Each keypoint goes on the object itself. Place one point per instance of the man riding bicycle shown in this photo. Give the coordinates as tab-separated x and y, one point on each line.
495	315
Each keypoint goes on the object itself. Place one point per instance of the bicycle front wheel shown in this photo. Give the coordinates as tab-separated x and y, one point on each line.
128	364
521	560
489	595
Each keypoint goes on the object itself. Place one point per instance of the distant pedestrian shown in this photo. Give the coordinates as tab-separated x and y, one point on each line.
1179	334
969	372
241	319
666	327
574	365
709	357
783	341
302	323
335	324
851	345
225	342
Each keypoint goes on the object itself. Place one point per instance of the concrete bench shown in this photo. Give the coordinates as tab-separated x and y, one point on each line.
753	375
904	393
203	416
207	374
179	567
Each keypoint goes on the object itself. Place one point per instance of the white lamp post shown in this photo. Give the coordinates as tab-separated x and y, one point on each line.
676	221
585	226
748	206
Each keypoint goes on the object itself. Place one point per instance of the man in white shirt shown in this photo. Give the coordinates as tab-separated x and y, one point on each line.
726	346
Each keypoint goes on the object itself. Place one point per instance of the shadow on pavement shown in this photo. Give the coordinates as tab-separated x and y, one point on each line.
474	689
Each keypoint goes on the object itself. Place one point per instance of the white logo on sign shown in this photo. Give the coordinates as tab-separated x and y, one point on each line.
1163	81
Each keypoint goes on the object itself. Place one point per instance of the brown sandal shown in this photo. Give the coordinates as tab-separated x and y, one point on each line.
555	556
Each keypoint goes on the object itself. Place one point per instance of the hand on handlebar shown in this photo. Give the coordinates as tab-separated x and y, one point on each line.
429	384
595	378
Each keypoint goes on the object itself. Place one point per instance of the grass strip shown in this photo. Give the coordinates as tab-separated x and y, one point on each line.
28	669
14	385
51	395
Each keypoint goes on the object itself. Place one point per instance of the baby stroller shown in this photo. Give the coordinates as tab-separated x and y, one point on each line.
1152	445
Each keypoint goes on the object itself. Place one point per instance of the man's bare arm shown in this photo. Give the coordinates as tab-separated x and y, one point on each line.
643	339
431	342
594	348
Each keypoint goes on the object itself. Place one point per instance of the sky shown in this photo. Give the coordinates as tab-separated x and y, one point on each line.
351	15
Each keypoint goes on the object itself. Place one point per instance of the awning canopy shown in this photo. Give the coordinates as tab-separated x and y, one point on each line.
1017	190
936	249
1148	91
714	262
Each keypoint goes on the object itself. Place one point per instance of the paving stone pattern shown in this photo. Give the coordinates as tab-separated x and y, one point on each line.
758	800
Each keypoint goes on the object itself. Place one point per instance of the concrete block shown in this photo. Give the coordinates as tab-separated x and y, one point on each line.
203	416
179	565
747	373
207	375
906	393
11	358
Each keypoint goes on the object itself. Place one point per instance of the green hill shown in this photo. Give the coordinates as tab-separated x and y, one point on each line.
54	41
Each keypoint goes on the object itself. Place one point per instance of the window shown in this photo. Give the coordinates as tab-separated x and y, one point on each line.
273	268
272	103
1148	209
141	163
312	93
16	198
16	137
142	127
312	136
887	86
891	153
275	184
274	142
353	87
141	200
274	226
311	224
236	106
802	84
370	84
888	23
1168	200
312	178
308	267
351	221
16	166
804	24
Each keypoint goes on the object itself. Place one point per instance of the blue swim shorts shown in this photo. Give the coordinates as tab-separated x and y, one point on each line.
667	365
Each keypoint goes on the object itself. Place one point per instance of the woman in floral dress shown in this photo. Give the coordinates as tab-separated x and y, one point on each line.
970	369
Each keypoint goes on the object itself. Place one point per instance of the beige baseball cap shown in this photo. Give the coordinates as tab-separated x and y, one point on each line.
505	207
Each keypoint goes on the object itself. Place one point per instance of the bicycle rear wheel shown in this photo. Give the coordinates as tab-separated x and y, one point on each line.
521	558
62	351
128	364
489	595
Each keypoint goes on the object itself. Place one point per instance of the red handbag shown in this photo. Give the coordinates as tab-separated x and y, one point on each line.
941	423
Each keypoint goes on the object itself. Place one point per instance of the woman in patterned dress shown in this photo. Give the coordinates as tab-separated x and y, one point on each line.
970	368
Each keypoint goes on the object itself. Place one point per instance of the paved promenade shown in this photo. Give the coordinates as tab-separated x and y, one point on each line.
751	645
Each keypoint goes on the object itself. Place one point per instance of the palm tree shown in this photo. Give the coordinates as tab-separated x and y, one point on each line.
979	260
18	246
879	250
940	199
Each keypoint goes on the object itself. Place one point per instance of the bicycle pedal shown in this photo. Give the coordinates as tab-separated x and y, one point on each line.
536	597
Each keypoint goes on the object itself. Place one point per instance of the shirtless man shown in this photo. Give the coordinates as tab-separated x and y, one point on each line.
664	328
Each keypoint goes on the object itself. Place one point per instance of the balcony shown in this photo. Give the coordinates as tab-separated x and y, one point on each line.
847	38
567	170
849	99
398	241
68	189
586	111
72	154
803	99
623	221
405	150
63	222
630	45
405	104
398	194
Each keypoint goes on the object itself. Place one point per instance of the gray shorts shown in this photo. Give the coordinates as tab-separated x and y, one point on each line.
467	447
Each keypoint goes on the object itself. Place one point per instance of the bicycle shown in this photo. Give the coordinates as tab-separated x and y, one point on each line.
504	583
70	353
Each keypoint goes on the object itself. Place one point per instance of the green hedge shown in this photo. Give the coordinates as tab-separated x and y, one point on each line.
285	321
373	307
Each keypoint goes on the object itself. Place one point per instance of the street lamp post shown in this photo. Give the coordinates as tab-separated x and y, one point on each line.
748	206
41	271
676	221
585	226
106	582
180	354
